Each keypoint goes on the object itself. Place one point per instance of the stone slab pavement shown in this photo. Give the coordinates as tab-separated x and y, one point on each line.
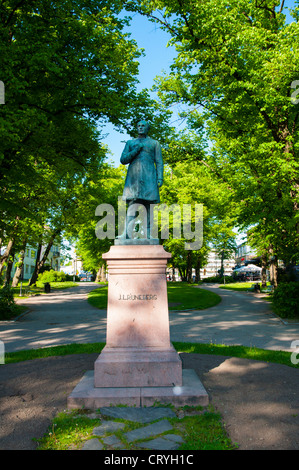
258	401
64	317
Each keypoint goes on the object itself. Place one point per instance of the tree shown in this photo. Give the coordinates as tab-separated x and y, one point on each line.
224	242
99	187
68	68
190	182
237	62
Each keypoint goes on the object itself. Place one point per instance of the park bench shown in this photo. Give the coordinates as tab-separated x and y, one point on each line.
268	290
254	288
28	291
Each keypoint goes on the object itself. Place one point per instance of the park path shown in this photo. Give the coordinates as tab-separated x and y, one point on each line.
241	318
60	317
64	317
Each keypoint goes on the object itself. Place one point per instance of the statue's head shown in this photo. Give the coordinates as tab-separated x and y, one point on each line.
143	127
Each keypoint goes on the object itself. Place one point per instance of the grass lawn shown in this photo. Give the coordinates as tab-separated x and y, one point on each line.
240	286
245	352
39	288
200	428
181	295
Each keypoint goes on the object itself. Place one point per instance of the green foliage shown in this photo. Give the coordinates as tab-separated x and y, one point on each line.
190	182
68	69
285	300
236	61
68	430
267	355
70	277
7	303
52	276
219	279
202	430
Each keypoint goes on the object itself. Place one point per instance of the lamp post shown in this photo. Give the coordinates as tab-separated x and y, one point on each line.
75	268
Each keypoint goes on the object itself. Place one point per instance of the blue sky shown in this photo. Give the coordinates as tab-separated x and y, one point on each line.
157	59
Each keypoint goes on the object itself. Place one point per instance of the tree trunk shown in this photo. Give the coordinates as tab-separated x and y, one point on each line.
264	270
222	264
103	273
98	276
10	244
19	268
9	268
189	266
6	254
35	272
40	263
197	269
273	267
183	275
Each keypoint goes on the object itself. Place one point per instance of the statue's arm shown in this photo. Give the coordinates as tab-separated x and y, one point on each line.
159	164
129	153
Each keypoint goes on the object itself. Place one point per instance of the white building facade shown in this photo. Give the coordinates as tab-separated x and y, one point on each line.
53	260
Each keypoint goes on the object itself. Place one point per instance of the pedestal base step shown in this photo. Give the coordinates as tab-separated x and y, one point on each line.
142	367
86	395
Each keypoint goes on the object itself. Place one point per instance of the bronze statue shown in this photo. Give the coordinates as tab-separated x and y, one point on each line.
145	173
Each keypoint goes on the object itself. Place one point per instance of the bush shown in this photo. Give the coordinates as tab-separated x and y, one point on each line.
285	300
7	303
52	276
70	277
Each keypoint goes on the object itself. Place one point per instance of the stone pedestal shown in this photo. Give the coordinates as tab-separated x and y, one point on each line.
138	349
138	365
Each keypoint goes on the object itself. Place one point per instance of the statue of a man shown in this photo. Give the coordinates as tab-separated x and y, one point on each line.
145	172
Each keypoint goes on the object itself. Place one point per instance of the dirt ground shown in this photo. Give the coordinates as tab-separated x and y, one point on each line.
259	402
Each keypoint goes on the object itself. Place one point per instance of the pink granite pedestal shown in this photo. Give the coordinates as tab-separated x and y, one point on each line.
138	365
138	349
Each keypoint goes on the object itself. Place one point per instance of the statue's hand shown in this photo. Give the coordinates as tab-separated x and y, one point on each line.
160	182
137	148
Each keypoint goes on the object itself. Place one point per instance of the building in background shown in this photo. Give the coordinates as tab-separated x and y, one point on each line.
53	260
245	254
74	266
211	269
213	265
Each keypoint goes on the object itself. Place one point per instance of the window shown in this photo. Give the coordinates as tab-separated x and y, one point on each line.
33	254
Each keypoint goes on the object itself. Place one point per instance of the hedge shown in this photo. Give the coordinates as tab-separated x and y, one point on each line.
7	303
52	276
285	300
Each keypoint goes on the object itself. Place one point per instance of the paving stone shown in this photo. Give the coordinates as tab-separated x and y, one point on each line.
148	431
107	426
159	444
173	438
112	441
92	444
138	415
